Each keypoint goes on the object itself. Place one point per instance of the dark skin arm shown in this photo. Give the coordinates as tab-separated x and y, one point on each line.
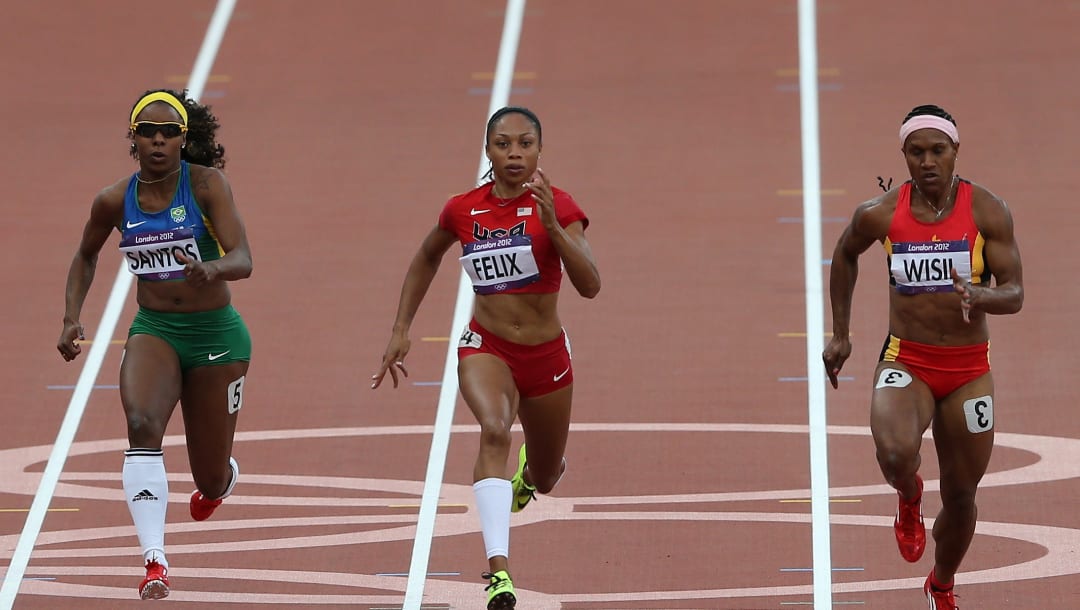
215	197
868	225
569	242
105	214
418	280
1002	256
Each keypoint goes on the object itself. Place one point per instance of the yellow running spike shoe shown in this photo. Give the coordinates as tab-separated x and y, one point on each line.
523	492
500	591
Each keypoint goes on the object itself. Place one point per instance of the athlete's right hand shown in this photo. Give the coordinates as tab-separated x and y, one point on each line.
69	349
835	355
393	360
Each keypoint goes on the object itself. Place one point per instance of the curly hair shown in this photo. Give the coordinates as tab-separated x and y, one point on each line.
202	148
931	110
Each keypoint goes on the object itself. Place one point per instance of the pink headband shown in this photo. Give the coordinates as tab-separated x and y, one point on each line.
928	121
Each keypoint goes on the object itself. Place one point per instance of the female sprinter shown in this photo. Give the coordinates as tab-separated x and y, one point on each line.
945	238
518	232
182	237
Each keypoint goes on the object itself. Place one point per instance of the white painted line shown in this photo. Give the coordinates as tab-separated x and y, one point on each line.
815	330
444	416
92	364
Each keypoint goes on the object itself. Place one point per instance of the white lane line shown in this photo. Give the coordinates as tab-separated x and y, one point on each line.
444	416
815	331
92	365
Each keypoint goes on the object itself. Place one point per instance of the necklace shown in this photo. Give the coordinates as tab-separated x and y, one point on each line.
948	196
139	177
502	202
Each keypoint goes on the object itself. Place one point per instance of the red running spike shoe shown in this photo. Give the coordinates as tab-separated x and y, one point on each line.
909	527
156	583
939	600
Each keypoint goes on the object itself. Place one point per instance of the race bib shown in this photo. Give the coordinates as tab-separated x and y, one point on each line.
919	267
152	255
499	264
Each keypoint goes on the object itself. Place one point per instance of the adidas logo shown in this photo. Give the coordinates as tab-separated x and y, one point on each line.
144	495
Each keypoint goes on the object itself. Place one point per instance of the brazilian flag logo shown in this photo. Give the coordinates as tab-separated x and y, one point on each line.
179	214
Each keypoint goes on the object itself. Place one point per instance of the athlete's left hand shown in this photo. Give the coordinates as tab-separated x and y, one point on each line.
544	199
966	292
196	272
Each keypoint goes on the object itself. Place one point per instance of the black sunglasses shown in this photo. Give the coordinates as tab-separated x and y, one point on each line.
147	129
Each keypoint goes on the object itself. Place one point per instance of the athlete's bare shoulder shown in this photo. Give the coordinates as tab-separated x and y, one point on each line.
116	190
990	211
110	200
872	217
206	180
982	197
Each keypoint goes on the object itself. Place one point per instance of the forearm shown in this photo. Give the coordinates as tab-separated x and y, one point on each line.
842	277
998	300
80	277
417	281
235	265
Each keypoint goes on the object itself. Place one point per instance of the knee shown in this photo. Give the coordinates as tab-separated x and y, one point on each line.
897	458
959	498
495	434
144	430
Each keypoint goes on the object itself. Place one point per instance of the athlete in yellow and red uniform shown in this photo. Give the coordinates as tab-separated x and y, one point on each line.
921	257
952	259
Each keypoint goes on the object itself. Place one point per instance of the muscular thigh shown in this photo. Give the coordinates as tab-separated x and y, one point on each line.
488	389
901	408
150	379
964	430
211	401
545	421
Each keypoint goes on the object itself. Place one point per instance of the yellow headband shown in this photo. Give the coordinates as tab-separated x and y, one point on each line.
159	96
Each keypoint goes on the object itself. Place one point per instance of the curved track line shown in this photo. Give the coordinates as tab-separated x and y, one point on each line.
1057	458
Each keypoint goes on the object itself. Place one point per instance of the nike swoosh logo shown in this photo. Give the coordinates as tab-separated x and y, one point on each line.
474	211
216	356
132	225
561	375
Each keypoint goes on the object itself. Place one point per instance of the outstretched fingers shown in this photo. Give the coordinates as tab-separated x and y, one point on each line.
393	367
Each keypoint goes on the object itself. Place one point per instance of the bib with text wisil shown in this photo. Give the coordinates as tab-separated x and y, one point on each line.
495	265
920	267
152	255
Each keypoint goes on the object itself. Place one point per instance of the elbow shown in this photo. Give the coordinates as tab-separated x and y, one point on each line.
590	290
86	259
244	272
1018	303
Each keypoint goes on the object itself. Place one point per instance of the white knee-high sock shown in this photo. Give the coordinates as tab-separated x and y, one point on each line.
493	498
147	490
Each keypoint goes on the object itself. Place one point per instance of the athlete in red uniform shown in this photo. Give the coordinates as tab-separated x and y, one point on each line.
945	239
518	234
